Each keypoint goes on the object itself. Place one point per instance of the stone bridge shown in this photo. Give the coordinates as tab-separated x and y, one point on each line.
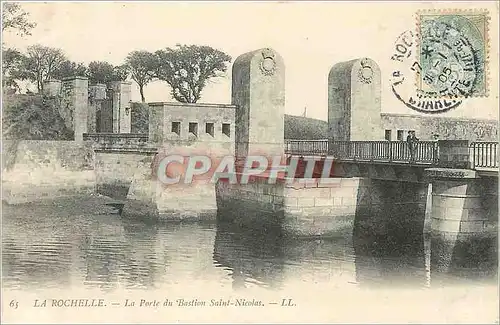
449	186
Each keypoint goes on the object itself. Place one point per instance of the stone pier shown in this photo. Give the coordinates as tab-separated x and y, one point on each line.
97	94
354	101
338	208
258	92
74	105
464	218
122	106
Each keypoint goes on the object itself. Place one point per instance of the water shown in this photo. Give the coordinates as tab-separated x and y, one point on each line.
59	246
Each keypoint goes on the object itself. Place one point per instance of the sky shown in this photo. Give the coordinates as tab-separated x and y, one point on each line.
310	36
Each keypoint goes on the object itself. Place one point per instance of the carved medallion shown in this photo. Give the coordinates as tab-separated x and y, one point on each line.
365	73
267	63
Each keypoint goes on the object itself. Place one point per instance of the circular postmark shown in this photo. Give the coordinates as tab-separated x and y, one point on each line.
448	60
405	75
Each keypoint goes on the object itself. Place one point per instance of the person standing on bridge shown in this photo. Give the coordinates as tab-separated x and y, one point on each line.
412	140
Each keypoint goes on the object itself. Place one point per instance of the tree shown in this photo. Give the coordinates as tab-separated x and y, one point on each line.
15	18
12	61
187	69
40	64
70	69
100	72
142	66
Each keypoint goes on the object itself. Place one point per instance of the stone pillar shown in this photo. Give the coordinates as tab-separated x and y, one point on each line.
454	153
52	88
464	219
354	106
122	117
258	91
97	93
74	105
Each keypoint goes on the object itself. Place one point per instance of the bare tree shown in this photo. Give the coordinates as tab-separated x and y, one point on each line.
41	63
187	69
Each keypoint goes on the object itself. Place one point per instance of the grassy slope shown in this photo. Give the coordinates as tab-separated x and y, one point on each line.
298	127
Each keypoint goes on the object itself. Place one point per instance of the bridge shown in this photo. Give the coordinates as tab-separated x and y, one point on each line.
483	154
376	184
480	156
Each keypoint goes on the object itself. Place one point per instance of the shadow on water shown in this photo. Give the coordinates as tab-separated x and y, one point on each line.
475	260
252	256
271	259
398	258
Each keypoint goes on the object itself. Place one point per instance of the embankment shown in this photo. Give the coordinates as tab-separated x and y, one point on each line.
37	170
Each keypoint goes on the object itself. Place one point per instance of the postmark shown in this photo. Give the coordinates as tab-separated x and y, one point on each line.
406	70
452	50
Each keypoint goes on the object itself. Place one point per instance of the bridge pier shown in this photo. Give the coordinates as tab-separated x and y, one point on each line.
464	218
340	207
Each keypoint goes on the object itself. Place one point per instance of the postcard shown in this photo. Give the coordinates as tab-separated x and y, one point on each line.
250	162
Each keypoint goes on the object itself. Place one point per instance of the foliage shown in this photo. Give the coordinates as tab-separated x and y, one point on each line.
33	117
187	68
101	72
142	66
40	64
12	61
69	68
15	18
140	118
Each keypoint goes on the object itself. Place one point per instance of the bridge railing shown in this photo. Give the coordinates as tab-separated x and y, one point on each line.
484	154
424	152
307	147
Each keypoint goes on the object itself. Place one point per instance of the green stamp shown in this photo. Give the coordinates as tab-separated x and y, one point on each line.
453	52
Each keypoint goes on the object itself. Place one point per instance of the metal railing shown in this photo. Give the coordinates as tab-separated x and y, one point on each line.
421	152
484	154
307	147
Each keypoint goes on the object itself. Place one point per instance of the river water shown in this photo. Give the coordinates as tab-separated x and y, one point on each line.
46	246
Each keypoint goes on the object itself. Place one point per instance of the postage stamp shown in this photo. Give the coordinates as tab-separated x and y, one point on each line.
406	68
452	50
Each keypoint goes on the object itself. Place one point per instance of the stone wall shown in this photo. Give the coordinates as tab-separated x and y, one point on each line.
326	209
425	126
148	199
37	170
447	128
176	122
115	171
